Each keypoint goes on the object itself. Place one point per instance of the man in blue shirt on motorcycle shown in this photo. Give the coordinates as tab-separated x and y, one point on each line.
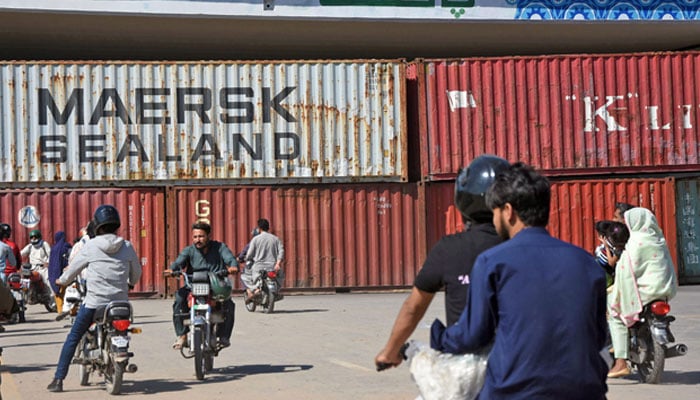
540	301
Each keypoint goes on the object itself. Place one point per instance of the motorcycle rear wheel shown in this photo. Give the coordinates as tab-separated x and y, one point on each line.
269	307
651	366
80	354
114	377
50	306
198	348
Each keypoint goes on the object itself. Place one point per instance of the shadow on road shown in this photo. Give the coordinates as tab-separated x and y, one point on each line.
308	310
226	374
680	378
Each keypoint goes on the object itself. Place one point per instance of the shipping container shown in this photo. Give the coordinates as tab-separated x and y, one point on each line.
567	115
139	122
142	213
575	207
335	236
688	221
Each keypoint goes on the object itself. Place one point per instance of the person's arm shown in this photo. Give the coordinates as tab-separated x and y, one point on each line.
181	261
134	266
412	310
11	257
80	262
25	250
280	254
476	326
228	258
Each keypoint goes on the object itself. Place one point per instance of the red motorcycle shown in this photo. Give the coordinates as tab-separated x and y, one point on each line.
28	288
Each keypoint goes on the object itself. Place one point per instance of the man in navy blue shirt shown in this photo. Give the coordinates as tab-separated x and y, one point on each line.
539	300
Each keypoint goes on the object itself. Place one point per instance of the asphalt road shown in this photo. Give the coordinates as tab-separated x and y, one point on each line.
312	347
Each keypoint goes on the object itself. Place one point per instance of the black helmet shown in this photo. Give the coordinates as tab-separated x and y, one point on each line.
5	230
472	184
106	215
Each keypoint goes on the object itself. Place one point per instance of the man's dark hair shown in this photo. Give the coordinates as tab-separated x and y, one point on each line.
264	224
623	207
202	226
527	191
618	234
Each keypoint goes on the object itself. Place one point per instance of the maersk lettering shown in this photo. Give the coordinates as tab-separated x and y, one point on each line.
153	105
91	148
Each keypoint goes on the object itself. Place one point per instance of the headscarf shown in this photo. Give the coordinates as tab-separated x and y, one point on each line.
58	259
645	271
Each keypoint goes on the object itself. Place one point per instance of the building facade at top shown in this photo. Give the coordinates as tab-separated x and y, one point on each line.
649	10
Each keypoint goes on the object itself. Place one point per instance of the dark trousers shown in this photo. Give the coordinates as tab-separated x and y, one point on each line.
181	312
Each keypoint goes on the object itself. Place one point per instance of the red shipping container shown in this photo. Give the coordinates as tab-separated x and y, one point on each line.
566	115
141	211
335	236
576	206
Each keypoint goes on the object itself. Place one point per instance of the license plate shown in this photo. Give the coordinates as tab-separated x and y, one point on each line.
200	289
120	341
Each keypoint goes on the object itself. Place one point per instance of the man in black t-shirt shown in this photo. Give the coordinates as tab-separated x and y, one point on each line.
450	261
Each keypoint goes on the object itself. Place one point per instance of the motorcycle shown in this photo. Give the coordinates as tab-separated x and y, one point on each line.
105	346
649	341
72	299
206	313
15	284
33	289
266	292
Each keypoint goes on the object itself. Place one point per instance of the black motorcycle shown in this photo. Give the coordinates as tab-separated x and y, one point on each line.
266	292
206	313
649	340
105	346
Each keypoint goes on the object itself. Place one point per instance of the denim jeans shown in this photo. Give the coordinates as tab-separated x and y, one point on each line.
80	325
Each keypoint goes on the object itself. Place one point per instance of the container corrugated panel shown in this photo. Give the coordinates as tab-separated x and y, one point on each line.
258	121
335	236
688	220
575	207
141	211
563	114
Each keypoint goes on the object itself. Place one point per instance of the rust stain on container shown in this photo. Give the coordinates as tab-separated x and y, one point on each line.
573	114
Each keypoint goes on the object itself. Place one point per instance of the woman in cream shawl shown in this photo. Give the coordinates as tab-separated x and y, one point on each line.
644	272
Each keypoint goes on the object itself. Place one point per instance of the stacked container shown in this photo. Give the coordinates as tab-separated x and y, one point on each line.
588	122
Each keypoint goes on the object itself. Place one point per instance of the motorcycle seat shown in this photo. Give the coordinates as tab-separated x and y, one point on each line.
113	311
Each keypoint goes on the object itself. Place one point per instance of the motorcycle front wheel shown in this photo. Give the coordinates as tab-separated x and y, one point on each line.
50	306
114	377
198	348
651	366
249	306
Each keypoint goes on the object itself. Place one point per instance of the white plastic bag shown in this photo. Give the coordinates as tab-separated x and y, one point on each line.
444	376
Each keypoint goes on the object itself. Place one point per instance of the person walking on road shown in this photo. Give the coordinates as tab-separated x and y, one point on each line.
450	261
111	266
540	301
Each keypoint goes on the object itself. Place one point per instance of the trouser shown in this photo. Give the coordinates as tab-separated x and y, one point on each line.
619	334
181	312
80	325
44	272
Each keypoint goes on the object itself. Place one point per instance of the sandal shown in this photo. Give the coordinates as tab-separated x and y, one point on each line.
179	343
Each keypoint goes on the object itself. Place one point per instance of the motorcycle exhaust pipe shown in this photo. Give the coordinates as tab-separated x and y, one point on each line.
677	350
131	368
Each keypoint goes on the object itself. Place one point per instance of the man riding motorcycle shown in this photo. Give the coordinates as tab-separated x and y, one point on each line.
203	254
113	266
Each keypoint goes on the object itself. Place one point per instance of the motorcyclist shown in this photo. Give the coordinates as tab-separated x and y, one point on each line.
265	252
38	251
5	233
450	261
113	266
7	261
203	254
